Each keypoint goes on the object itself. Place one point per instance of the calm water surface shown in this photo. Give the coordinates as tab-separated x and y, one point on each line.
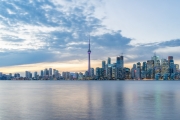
90	100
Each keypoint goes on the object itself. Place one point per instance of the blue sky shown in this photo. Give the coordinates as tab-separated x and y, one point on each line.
35	34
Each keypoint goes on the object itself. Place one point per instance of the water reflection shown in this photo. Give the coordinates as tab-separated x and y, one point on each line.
88	100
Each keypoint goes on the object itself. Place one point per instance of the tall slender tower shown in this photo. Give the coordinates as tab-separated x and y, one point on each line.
89	60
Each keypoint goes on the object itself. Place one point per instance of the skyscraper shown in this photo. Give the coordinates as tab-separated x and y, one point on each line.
114	73
92	72
27	74
35	75
97	73
42	73
156	60
143	70
119	68
150	69
89	62
176	67
144	66
120	62
164	69
170	58
171	64
109	73
103	64
50	71
80	76
133	71
46	72
138	71
109	60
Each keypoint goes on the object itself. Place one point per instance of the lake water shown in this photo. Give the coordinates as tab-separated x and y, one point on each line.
89	100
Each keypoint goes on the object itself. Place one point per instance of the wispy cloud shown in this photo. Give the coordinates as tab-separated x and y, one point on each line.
36	31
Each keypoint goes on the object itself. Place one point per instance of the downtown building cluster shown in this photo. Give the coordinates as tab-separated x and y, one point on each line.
108	71
156	68
113	71
10	76
46	74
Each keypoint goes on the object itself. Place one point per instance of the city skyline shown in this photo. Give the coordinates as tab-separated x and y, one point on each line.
152	68
62	67
40	34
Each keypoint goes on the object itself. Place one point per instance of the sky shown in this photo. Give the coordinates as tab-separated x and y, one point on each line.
39	34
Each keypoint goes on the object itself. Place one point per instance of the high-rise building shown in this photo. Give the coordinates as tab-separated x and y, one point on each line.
109	73
17	75
171	64
109	60
126	73
46	72
176	67
176	71
133	71
1	74
144	70
103	73
35	75
27	74
138	71
92	72
10	75
80	76
119	73
164	69
156	60
170	58
86	74
63	74
157	67
97	73
114	73
75	77
172	70
57	74
120	61
144	66
150	69
30	75
42	73
71	76
50	71
103	64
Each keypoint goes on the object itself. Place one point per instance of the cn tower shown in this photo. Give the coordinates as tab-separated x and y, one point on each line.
89	61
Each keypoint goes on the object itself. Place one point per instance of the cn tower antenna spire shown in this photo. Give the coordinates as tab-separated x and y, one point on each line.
89	43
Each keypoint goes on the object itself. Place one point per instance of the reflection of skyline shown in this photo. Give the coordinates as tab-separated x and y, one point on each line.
89	100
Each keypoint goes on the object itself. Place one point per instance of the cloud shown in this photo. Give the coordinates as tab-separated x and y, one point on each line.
143	52
24	57
171	43
36	31
39	31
